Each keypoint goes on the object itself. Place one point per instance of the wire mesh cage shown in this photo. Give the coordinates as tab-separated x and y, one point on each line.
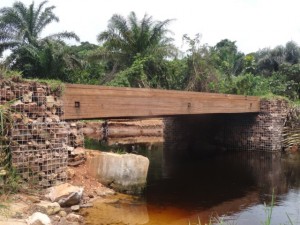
39	152
38	139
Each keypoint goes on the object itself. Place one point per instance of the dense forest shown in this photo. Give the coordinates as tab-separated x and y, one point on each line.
136	52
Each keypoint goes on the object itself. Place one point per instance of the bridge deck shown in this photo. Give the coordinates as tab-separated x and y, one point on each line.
90	101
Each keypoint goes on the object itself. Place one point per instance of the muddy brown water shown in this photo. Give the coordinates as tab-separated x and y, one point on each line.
233	187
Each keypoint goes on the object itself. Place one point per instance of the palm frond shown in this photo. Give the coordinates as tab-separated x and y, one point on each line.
44	19
119	23
7	45
37	14
63	35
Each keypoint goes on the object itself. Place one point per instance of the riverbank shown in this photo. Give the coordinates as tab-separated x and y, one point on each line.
16	209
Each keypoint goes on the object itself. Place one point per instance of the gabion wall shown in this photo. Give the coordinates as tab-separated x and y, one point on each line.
203	135
261	132
38	140
39	152
291	137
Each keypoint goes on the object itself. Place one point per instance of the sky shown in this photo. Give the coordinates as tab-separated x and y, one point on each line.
253	24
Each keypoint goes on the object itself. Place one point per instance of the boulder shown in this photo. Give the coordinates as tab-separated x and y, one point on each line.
38	218
123	172
65	194
88	130
17	105
62	213
77	156
103	192
70	173
27	98
79	151
72	217
33	199
50	207
75	208
50	101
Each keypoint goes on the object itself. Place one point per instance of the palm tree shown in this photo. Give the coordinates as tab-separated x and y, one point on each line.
51	59
227	57
21	25
128	39
292	52
20	31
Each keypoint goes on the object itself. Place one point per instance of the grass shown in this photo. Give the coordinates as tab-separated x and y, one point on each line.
268	220
119	151
271	96
101	146
15	76
269	210
55	86
9	180
10	183
5	126
213	220
90	143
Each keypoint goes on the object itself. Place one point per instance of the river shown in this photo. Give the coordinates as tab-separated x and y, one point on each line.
234	188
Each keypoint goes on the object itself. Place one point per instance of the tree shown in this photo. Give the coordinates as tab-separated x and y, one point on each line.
91	71
20	31
50	59
129	42
21	25
270	60
201	74
266	64
227	58
292	52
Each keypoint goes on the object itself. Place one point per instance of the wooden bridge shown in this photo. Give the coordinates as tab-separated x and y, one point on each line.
91	102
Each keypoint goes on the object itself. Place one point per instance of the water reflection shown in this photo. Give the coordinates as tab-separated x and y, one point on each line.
234	186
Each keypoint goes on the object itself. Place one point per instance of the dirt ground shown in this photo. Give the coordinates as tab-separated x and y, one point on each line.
15	208
81	178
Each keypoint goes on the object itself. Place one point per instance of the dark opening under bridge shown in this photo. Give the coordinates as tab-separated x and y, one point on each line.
90	101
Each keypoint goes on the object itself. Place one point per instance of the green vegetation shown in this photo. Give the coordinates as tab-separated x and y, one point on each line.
5	125
10	183
98	145
268	212
95	145
20	30
56	86
10	74
8	178
135	52
213	220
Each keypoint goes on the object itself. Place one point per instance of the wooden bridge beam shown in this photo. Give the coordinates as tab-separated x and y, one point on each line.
90	102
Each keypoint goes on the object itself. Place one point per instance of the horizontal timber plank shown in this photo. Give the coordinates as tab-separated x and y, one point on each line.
112	102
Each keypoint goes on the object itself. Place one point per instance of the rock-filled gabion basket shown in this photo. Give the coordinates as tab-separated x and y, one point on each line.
40	152
39	140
